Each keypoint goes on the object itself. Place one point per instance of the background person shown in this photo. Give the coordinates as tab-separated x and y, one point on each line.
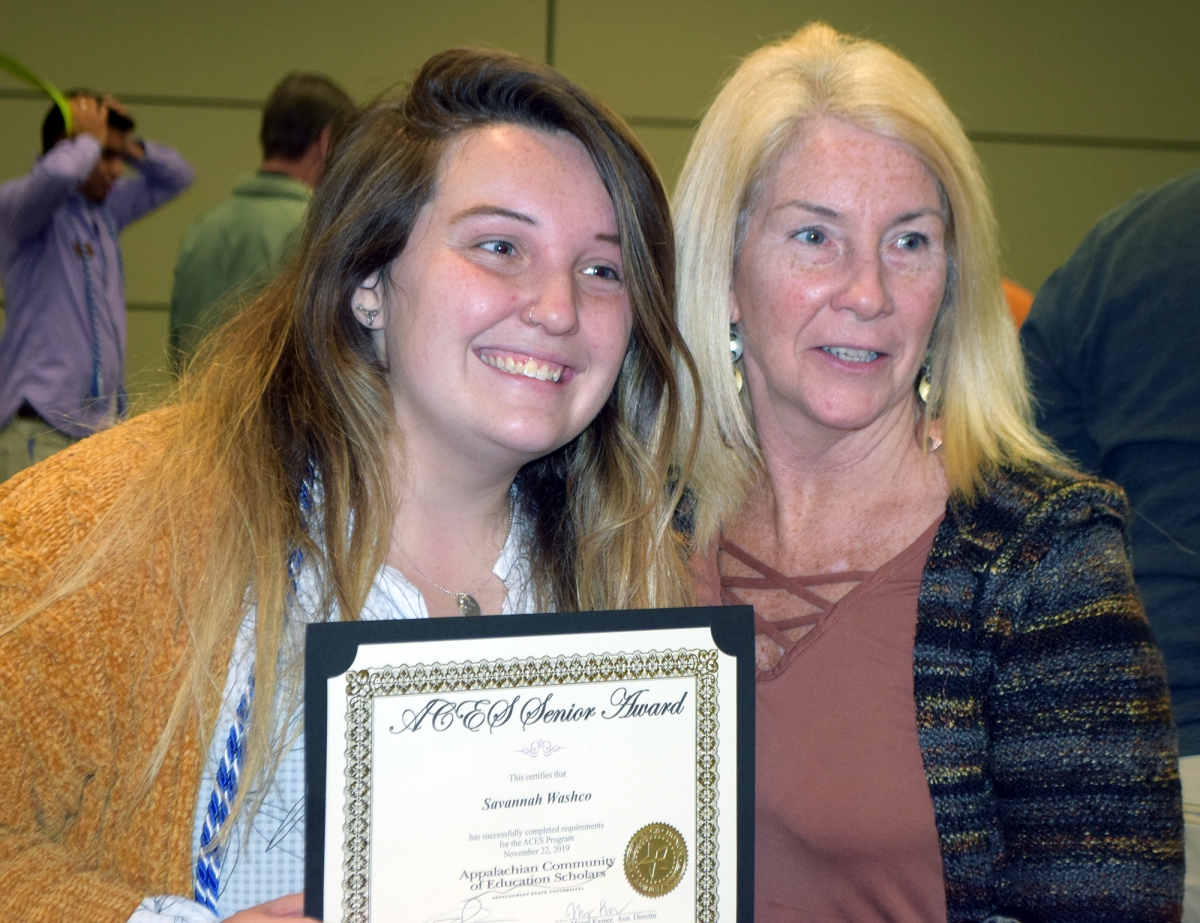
240	242
356	439
62	354
961	709
1110	345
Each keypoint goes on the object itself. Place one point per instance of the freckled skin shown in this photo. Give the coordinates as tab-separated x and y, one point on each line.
845	250
466	284
517	255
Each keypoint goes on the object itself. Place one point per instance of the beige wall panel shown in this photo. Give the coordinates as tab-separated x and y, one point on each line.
146	375
239	49
1106	67
20	140
1048	198
668	147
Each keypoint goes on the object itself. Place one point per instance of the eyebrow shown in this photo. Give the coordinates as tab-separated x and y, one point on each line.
920	213
493	210
821	210
497	211
826	212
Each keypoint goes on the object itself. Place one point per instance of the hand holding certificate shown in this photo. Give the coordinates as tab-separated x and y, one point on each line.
582	775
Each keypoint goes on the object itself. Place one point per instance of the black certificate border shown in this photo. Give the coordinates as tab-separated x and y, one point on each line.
332	647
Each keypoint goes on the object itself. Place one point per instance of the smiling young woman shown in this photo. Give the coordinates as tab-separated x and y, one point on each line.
460	397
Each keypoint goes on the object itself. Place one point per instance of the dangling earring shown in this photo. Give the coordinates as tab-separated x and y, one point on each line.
924	381
735	354
932	426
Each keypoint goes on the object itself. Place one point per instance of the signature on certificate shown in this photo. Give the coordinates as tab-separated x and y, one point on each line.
473	910
579	913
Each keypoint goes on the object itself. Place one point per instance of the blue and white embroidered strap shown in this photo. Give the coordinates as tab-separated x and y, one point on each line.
208	862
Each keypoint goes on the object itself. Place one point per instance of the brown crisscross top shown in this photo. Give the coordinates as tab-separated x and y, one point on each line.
772	579
844	822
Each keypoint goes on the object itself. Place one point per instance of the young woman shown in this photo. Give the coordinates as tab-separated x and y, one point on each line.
460	398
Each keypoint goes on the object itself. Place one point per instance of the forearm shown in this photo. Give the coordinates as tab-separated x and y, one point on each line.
162	174
27	204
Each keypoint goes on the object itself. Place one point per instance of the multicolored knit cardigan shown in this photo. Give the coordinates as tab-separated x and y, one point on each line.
1042	711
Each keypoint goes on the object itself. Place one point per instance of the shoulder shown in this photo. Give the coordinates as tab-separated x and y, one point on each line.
243	219
45	509
225	212
1142	246
1032	492
1150	220
1018	510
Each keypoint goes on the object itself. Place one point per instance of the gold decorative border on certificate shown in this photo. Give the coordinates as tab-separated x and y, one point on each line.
364	686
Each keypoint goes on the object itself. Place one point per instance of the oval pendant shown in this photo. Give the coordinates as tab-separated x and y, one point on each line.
467	604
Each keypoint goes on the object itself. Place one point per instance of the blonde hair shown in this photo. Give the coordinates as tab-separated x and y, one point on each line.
978	380
291	396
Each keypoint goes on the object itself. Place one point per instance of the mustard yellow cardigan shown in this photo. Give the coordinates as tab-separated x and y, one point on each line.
85	691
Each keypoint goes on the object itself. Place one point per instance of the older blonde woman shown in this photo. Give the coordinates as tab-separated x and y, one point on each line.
961	710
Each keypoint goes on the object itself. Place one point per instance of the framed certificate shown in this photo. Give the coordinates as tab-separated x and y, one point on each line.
558	768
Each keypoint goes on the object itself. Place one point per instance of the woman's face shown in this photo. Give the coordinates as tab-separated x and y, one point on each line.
506	317
838	283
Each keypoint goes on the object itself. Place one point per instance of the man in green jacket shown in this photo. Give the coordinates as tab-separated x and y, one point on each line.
231	250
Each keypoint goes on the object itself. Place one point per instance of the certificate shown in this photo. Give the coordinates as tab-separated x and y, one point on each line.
544	769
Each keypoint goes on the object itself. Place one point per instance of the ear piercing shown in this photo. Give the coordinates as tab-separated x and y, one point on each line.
735	354
368	316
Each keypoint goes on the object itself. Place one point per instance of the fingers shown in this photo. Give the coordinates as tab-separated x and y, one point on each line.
90	116
116	105
290	905
83	107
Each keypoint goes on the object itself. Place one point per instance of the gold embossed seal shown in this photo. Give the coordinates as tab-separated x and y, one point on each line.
655	860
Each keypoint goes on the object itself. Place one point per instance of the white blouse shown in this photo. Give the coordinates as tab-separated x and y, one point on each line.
267	861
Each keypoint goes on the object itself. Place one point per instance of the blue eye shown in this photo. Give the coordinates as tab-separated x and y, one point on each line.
912	241
811	236
499	247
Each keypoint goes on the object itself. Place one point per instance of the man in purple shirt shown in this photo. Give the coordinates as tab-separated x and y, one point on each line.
62	354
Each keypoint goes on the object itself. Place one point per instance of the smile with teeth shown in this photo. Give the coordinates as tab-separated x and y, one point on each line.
530	368
846	354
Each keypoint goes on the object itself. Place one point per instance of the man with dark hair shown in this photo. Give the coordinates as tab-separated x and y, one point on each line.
62	354
232	249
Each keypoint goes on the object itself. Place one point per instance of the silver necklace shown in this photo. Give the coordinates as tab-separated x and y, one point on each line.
467	603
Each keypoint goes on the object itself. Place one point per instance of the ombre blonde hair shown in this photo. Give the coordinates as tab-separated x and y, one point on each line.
978	383
291	397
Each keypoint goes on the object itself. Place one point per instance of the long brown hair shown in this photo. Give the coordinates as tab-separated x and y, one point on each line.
291	392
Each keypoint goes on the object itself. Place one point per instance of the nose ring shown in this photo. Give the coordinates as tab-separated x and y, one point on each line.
530	318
